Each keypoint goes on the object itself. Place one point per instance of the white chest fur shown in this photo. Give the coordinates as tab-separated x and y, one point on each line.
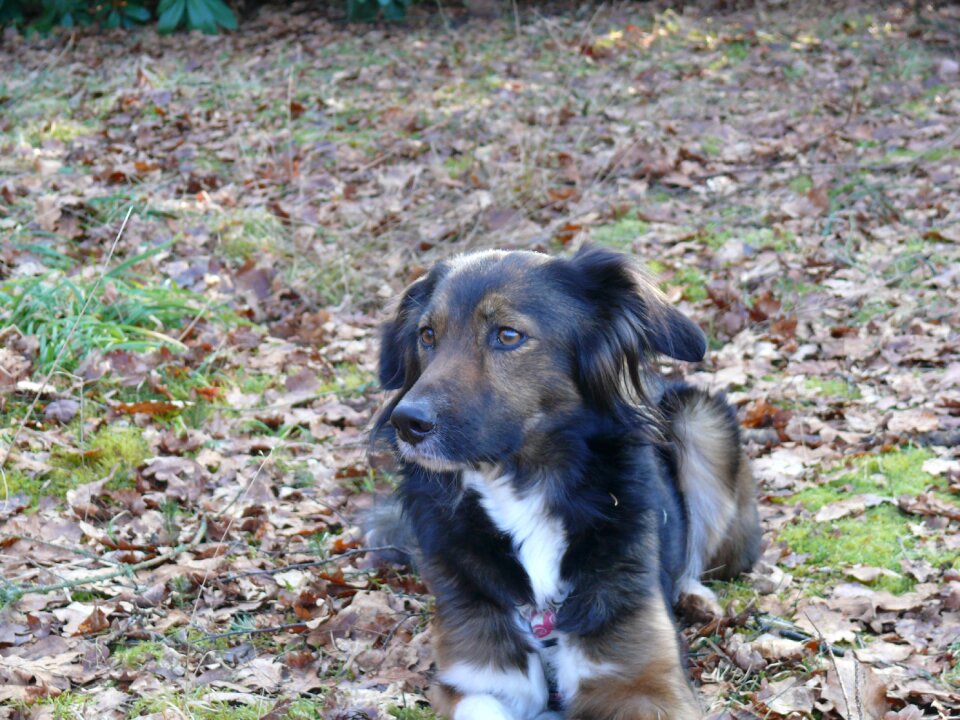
538	538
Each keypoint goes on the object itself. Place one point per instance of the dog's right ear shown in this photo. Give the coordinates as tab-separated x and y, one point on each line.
398	338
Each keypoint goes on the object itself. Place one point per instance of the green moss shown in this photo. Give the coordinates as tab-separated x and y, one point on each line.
736	594
880	537
870	310
736	51
692	281
621	233
122	448
412	712
254	383
790	291
772	238
245	233
802	184
138	654
457	165
711	145
832	388
715	238
656	267
111	447
348	379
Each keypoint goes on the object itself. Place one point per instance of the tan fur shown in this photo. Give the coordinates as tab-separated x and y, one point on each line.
733	556
647	681
444	699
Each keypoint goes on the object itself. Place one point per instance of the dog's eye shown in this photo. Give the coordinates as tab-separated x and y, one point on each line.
508	337
427	336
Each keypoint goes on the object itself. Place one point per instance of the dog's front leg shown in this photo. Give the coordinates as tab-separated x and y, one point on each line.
631	671
488	671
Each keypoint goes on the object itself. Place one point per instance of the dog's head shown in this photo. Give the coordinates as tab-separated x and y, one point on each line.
492	352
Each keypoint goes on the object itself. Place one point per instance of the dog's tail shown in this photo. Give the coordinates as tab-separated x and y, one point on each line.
387	529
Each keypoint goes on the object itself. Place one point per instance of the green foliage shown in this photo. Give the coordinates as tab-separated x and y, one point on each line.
205	15
367	10
44	15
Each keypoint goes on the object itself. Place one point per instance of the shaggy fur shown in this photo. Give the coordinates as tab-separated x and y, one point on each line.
548	470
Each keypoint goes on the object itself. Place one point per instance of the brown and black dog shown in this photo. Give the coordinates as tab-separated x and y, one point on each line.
559	496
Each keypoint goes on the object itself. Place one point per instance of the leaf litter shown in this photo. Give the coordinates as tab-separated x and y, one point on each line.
791	178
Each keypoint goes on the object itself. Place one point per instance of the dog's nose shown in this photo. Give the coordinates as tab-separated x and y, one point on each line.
413	421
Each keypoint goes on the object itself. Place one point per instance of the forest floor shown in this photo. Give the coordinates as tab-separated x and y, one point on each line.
184	393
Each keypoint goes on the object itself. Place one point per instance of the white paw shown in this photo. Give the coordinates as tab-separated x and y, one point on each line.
549	716
481	707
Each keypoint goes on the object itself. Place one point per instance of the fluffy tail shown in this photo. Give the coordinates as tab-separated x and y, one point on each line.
386	527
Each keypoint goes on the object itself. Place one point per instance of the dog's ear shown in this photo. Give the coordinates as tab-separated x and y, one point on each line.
398	337
631	322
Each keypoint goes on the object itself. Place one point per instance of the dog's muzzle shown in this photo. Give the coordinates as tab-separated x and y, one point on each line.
414	421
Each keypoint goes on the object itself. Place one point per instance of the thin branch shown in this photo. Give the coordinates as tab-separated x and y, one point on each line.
253	631
833	661
310	563
10	592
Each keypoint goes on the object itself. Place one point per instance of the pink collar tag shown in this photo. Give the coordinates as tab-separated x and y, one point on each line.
543	623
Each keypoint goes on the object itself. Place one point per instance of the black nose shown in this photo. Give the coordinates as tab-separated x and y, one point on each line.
413	421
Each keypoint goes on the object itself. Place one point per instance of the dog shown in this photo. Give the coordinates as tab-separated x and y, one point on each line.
557	495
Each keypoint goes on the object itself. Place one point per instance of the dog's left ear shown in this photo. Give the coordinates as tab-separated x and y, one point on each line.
628	299
633	322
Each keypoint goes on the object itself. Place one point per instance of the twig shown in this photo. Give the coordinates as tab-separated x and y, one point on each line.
833	661
77	551
66	342
10	593
310	563
253	631
791	631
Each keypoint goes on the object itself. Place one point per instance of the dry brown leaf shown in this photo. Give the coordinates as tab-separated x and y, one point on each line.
849	506
855	690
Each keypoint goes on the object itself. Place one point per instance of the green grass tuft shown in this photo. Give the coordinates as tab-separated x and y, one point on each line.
196	706
138	319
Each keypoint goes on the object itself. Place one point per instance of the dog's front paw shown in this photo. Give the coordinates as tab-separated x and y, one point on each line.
698	602
481	707
549	715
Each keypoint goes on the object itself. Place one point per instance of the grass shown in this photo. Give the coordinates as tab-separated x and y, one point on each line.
68	705
137	318
881	537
